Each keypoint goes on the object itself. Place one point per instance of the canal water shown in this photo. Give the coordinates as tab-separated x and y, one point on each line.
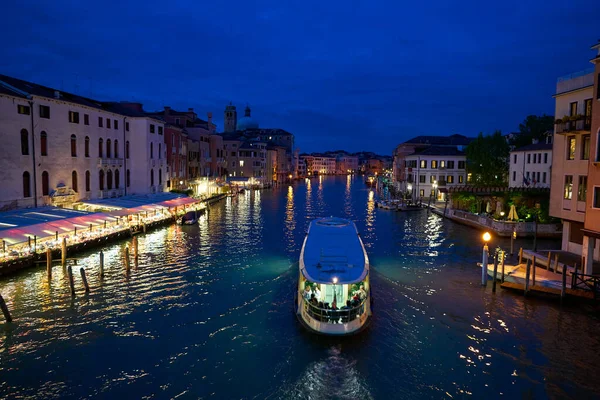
207	313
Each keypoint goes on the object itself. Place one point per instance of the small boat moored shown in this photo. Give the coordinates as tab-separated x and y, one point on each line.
333	295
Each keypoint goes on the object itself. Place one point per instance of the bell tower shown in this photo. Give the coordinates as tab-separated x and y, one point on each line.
230	118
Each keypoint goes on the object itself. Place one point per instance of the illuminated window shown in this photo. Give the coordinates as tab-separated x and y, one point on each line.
461	179
582	188
241	163
423	163
571	148
568	192
585	147
25	110
434	164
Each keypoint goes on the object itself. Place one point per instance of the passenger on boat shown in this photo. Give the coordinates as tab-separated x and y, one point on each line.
307	292
362	294
317	292
313	300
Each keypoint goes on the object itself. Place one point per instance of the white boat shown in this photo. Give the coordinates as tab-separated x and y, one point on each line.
333	295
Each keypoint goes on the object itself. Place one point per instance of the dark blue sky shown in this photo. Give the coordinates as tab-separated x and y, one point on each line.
338	74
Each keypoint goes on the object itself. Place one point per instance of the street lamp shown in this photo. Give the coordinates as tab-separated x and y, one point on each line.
484	261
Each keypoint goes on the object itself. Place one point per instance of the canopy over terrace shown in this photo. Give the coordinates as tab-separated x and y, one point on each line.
45	222
136	204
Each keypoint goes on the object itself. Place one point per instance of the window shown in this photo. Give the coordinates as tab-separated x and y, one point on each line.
24	142
233	154
128	179
177	121
86	148
571	148
596	203
74	181
422	178
116	148
108	123
568	194
44	112
545	158
45	184
101	180
108	149
87	181
100	122
73	146
151	128
528	158
159	150
461	179
86	119
151	177
450	179
422	192
461	165
423	163
127	126
535	158
73	117
582	188
116	124
26	184
450	165
585	147
25	110
151	150
160	176
539	158
514	178
431	178
160	130
434	164
544	177
44	143
537	177
241	163
109	179
442	164
515	159
117	178
127	149
100	146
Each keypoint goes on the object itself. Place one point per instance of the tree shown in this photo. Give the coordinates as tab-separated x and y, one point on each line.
533	127
487	160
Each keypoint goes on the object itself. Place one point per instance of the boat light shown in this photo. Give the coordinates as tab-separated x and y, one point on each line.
335	280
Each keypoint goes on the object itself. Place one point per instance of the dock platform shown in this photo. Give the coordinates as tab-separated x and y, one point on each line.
584	294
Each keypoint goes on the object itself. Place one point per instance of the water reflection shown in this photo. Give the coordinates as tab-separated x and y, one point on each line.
348	198
370	216
290	220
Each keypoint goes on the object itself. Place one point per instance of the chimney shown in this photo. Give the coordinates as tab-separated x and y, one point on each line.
167	111
56	94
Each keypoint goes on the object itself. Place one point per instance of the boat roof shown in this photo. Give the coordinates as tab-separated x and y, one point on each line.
333	249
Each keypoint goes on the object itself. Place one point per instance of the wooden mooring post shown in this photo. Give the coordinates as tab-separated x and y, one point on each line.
5	311
503	259
135	248
63	252
49	263
533	272
549	260
495	272
127	264
527	271
556	263
520	256
563	290
71	282
84	279
101	263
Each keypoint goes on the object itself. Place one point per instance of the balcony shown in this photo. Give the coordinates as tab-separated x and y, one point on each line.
107	194
110	162
580	125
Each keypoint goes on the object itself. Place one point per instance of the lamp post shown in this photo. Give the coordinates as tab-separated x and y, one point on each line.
484	261
435	185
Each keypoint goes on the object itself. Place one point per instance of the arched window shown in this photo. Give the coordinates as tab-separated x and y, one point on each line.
116	148
107	148
151	177
109	179
101	179
128	179
74	181
87	146
45	184
127	149
151	150
159	150
44	143
26	184
73	146
100	143
160	176
87	181
24	142
117	179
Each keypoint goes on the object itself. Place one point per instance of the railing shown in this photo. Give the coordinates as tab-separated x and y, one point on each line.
110	162
586	282
334	316
574	126
106	194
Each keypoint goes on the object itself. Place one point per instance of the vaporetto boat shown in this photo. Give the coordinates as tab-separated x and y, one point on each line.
333	295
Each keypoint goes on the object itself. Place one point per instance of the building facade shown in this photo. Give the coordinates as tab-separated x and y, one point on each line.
531	166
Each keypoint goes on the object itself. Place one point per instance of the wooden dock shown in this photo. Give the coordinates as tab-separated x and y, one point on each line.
584	294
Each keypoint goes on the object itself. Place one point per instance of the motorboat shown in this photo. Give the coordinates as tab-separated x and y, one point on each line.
189	218
333	295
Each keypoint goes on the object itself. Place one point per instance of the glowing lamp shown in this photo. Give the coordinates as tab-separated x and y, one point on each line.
487	237
335	280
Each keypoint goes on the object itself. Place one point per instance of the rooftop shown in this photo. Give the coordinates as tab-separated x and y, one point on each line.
452	140
439	151
333	250
534	147
575	81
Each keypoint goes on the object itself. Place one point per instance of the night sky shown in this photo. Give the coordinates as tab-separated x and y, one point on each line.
338	74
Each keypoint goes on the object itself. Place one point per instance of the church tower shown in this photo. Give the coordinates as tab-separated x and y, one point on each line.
230	118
